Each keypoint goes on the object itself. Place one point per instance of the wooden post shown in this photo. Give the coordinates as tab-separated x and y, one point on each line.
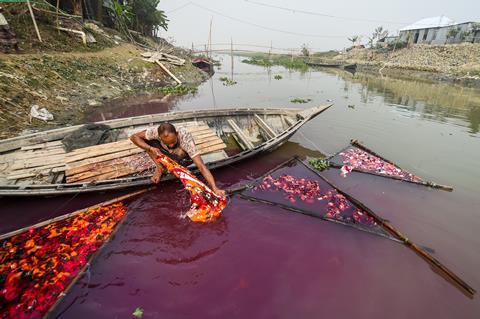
164	68
270	51
34	21
58	8
231	54
291	60
210	40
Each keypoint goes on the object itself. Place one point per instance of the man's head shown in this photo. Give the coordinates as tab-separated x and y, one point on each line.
168	135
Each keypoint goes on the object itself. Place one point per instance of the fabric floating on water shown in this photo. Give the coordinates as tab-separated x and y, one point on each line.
37	265
206	205
296	186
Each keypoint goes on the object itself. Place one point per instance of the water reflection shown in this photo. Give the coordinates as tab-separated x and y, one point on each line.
432	100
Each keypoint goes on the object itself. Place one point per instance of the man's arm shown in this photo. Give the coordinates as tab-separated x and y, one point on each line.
208	176
139	140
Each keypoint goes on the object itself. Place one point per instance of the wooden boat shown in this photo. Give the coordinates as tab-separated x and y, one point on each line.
325	65
350	67
38	164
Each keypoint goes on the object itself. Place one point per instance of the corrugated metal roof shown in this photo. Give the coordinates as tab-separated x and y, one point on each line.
427	23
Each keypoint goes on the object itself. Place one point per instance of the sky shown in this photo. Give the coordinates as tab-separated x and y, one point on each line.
327	26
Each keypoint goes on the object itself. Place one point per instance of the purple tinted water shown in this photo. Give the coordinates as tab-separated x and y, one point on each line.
263	262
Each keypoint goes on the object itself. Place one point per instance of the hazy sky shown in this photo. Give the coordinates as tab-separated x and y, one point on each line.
190	20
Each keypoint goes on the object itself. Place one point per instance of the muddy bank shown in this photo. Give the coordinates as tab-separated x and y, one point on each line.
456	63
70	86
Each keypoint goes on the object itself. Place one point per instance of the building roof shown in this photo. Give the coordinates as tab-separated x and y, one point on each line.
427	23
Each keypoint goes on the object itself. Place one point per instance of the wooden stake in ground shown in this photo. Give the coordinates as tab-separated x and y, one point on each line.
164	68
34	21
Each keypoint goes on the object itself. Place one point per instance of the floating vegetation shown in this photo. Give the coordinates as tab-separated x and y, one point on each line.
300	100
278	77
282	60
138	313
227	82
179	89
319	164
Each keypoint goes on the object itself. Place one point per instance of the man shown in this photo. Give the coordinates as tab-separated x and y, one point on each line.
176	144
8	38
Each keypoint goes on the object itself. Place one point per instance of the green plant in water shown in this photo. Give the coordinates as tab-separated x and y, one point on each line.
227	82
319	164
179	89
138	313
278	77
300	100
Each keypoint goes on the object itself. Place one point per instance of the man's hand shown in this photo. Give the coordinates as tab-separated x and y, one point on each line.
219	192
155	151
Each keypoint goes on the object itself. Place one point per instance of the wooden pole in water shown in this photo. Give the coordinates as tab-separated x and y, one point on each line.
231	55
34	21
210	39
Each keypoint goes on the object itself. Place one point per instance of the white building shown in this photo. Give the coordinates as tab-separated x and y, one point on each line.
437	30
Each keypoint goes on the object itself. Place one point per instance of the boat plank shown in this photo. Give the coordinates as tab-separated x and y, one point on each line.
76	167
264	126
240	134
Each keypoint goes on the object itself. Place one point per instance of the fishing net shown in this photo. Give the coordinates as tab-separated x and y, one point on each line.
89	135
37	265
296	187
361	159
206	205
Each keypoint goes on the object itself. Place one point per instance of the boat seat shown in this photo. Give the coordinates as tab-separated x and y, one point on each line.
123	158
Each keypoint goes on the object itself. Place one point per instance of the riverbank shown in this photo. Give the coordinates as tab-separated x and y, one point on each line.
458	63
71	80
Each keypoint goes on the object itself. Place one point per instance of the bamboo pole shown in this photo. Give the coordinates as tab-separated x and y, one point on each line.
423	183
231	54
447	273
168	72
34	21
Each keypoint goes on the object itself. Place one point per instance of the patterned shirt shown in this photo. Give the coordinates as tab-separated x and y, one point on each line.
185	139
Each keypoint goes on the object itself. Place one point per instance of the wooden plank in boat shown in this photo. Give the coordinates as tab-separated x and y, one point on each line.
107	167
118	147
78	167
38	154
99	147
264	126
240	134
41	145
60	158
200	140
213	148
208	144
205	134
24	173
120	172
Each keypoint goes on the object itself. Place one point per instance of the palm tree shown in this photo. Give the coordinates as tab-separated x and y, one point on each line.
354	39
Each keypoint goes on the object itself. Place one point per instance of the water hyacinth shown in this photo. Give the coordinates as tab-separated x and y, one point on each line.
36	266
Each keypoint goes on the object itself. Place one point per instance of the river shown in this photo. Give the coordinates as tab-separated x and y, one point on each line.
263	262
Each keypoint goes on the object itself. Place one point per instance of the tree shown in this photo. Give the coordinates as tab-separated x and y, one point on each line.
147	17
354	39
452	32
305	50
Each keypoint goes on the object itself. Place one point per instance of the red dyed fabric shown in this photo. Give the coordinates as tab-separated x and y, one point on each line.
206	205
36	266
355	158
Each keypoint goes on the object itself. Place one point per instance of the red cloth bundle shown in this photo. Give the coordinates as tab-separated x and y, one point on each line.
206	205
